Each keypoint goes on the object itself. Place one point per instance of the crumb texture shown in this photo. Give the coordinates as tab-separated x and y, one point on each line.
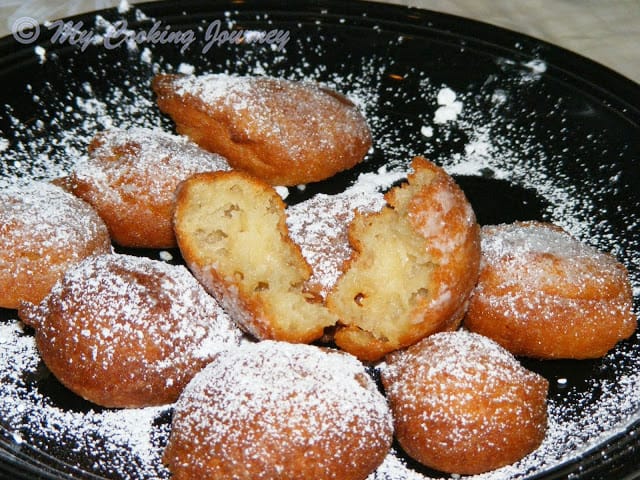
414	266
232	232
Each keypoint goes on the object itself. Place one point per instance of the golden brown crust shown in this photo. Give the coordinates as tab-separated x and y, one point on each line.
462	404
414	267
543	294
232	234
43	231
125	331
130	178
277	411
285	132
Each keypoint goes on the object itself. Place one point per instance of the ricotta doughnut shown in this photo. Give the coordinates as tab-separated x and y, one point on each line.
414	266
462	404
130	178
285	132
542	293
232	234
124	331
275	410
320	227
43	231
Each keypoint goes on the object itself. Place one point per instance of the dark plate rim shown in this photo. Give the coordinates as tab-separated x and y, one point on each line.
620	455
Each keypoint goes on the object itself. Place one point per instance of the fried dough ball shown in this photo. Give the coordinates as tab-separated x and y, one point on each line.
543	294
285	132
43	231
279	411
462	404
232	234
124	331
130	178
414	266
320	227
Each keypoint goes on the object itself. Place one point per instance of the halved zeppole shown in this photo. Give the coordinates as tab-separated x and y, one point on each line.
320	226
414	266
232	233
281	131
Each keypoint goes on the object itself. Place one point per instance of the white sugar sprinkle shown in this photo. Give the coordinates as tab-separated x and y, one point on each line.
123	6
300	396
146	55
186	69
41	52
128	444
165	256
426	131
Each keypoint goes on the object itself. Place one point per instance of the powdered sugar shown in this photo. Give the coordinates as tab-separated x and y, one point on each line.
39	216
43	231
297	122
582	266
143	164
105	441
216	87
132	316
290	400
442	376
482	141
449	108
320	226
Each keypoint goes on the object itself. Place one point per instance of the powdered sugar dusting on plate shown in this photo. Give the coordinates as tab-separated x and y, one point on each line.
113	442
479	141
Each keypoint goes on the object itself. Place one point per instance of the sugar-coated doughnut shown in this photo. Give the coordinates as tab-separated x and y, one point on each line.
124	331
43	231
282	131
463	404
414	266
233	236
130	178
320	226
544	294
275	410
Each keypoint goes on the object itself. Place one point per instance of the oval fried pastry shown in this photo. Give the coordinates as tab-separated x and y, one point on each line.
463	404
44	230
542	293
124	331
274	411
130	178
285	132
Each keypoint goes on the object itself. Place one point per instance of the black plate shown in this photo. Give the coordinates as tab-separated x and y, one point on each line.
543	134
